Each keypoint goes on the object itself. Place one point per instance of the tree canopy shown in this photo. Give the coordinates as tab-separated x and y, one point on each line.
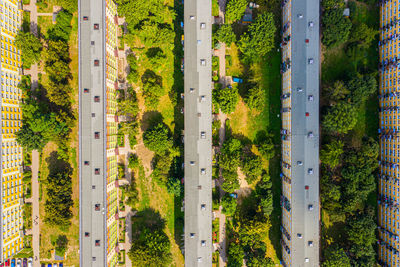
340	118
336	27
228	204
158	138
30	47
331	152
228	98
235	10
226	35
259	40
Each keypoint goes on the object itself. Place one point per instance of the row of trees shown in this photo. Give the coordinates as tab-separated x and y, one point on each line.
348	167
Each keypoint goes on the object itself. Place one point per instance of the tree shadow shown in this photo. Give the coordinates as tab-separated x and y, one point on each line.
57	165
150	118
151	77
146	219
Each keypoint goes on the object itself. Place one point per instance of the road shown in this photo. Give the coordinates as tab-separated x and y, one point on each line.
198	133
92	158
305	58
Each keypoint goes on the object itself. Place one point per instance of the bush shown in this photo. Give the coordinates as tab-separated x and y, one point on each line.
226	35
134	161
255	98
62	29
174	186
252	167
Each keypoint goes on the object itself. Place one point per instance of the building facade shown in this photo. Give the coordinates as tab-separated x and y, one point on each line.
98	72
300	133
389	129
11	208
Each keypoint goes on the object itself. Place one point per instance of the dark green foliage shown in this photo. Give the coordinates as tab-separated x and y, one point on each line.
229	158
235	255
225	34
174	186
259	40
331	152
131	194
235	10
228	205
30	47
361	88
150	244
231	182
162	165
58	198
152	88
362	35
158	138
133	75
263	194
129	106
62	29
335	256
252	167
227	98
61	244
265	144
255	98
361	238
133	161
340	118
336	27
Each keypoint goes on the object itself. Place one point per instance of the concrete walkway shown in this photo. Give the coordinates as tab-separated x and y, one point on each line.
35	154
35	208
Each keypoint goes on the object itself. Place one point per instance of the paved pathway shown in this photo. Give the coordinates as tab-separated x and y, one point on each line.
35	154
35	208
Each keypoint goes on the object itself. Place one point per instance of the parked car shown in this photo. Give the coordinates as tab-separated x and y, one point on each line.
13	263
30	262
19	263
25	262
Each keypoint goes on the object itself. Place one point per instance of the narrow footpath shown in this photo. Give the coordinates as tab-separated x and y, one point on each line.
222	118
33	72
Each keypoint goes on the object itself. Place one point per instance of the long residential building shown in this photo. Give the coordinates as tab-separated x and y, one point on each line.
198	134
300	133
389	129
98	133
11	222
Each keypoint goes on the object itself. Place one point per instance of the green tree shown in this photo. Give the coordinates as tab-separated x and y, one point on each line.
133	161
333	4
131	194
363	35
70	5
61	31
152	88
152	248
235	10
158	138
259	40
340	118
335	256
30	47
129	105
330	154
265	144
229	158
229	205
361	237
231	182
336	27
174	186
235	255
337	92
361	88
227	99
226	35
59	199
252	167
255	98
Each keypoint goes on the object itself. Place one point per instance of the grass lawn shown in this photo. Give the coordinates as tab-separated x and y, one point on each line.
44	23
233	65
45	6
215	8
